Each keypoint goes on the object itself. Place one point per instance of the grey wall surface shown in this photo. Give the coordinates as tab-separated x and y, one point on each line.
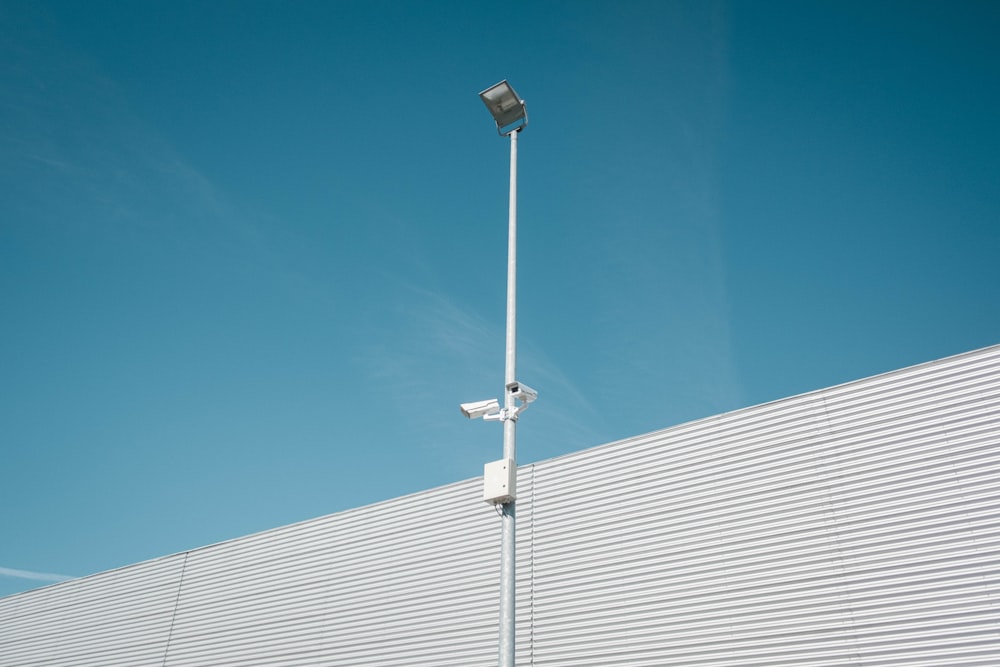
855	525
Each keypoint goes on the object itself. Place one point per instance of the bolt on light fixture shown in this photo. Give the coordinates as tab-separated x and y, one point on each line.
509	110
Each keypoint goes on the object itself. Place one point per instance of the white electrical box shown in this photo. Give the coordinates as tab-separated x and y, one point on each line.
499	482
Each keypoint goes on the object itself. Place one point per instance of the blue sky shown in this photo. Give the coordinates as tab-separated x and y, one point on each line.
253	254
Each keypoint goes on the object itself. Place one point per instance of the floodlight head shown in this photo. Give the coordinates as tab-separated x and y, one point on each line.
509	111
478	409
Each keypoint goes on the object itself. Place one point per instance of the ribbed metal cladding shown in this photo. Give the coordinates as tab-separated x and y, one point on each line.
856	525
851	526
412	581
115	618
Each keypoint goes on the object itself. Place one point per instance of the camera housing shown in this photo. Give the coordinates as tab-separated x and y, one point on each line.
522	392
478	409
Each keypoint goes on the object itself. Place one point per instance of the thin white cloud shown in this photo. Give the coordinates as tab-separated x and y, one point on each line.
34	576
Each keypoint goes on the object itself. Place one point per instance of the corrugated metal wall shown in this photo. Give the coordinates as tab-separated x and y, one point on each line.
855	525
852	526
412	581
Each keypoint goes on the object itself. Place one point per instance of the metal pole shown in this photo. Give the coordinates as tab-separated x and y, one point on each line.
507	544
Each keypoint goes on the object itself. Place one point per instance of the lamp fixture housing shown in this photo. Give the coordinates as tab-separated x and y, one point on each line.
506	107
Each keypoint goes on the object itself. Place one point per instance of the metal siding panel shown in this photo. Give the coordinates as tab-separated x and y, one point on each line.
855	525
406	582
412	581
121	618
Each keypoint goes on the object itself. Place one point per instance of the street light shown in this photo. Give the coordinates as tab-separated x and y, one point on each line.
500	477
507	108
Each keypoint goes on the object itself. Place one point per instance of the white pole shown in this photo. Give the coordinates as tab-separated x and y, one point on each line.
507	545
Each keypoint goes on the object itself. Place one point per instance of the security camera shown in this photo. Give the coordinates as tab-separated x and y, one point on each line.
480	408
522	392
